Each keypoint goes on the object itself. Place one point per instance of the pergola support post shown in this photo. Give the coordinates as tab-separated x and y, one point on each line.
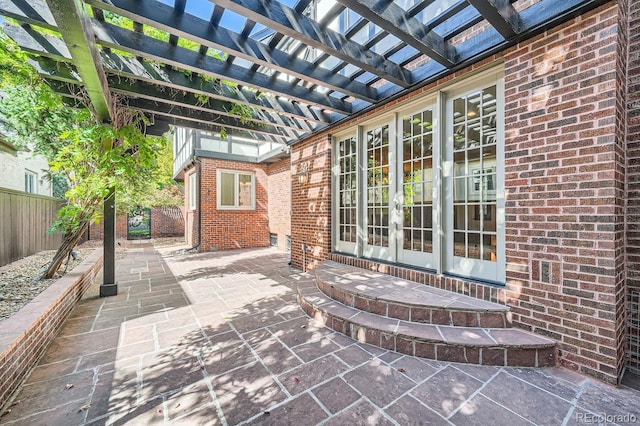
109	287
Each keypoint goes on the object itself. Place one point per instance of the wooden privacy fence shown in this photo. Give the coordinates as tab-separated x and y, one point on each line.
24	221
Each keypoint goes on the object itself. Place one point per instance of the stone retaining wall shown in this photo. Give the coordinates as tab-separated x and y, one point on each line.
26	335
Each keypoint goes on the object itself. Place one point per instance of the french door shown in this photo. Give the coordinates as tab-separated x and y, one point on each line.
424	186
416	165
395	186
379	193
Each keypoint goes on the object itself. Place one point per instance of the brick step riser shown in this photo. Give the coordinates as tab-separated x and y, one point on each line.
419	314
440	351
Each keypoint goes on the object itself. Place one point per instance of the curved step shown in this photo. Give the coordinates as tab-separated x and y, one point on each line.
392	297
472	345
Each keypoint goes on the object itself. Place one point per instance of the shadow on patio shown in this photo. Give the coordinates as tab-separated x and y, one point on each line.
217	338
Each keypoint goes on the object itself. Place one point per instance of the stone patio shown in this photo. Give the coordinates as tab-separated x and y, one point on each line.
218	338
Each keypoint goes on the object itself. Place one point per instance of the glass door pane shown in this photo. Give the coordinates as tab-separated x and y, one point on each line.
378	193
346	158
416	165
474	209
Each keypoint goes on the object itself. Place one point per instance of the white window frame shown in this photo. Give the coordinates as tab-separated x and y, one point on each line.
236	194
193	190
443	259
463	266
339	245
30	182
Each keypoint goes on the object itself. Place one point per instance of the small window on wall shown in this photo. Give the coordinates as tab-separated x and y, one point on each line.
236	190
29	182
193	188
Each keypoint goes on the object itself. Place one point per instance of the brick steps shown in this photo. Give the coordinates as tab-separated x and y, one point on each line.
407	300
498	346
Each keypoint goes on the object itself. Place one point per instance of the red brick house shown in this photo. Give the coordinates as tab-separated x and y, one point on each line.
236	195
512	180
485	147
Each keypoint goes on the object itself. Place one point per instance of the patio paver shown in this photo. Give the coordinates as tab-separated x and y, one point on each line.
218	338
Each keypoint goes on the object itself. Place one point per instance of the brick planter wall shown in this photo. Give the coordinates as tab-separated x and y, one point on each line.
279	194
25	336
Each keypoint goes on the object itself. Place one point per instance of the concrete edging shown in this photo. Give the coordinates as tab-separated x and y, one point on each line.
26	335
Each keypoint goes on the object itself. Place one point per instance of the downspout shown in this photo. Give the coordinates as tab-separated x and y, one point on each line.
199	201
304	258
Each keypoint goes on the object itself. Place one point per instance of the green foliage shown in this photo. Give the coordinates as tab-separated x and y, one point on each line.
13	63
245	112
157	189
89	157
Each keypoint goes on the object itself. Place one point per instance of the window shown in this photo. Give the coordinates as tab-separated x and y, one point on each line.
474	209
30	182
193	189
236	190
347	194
424	185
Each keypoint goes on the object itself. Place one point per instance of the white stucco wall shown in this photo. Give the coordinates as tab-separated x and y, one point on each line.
13	166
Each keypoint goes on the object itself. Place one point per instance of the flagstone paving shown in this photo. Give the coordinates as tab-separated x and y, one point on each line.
218	338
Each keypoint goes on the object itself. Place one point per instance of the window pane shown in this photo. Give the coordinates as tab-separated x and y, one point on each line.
244	191
227	195
474	172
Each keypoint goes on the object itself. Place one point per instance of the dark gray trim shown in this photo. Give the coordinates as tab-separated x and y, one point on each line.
141	45
73	24
500	14
293	24
396	21
162	16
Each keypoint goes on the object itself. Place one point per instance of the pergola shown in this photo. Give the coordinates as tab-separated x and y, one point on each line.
300	65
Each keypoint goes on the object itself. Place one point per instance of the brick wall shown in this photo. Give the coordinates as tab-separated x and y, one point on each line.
279	195
165	222
564	181
232	229
633	170
633	151
564	165
27	334
311	202
96	230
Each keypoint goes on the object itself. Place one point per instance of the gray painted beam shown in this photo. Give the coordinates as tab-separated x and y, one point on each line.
33	12
185	108
77	33
500	14
40	44
205	127
161	16
292	114
138	44
282	113
293	24
188	100
186	114
395	20
75	28
55	70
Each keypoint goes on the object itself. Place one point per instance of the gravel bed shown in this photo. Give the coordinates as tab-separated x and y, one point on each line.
19	282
